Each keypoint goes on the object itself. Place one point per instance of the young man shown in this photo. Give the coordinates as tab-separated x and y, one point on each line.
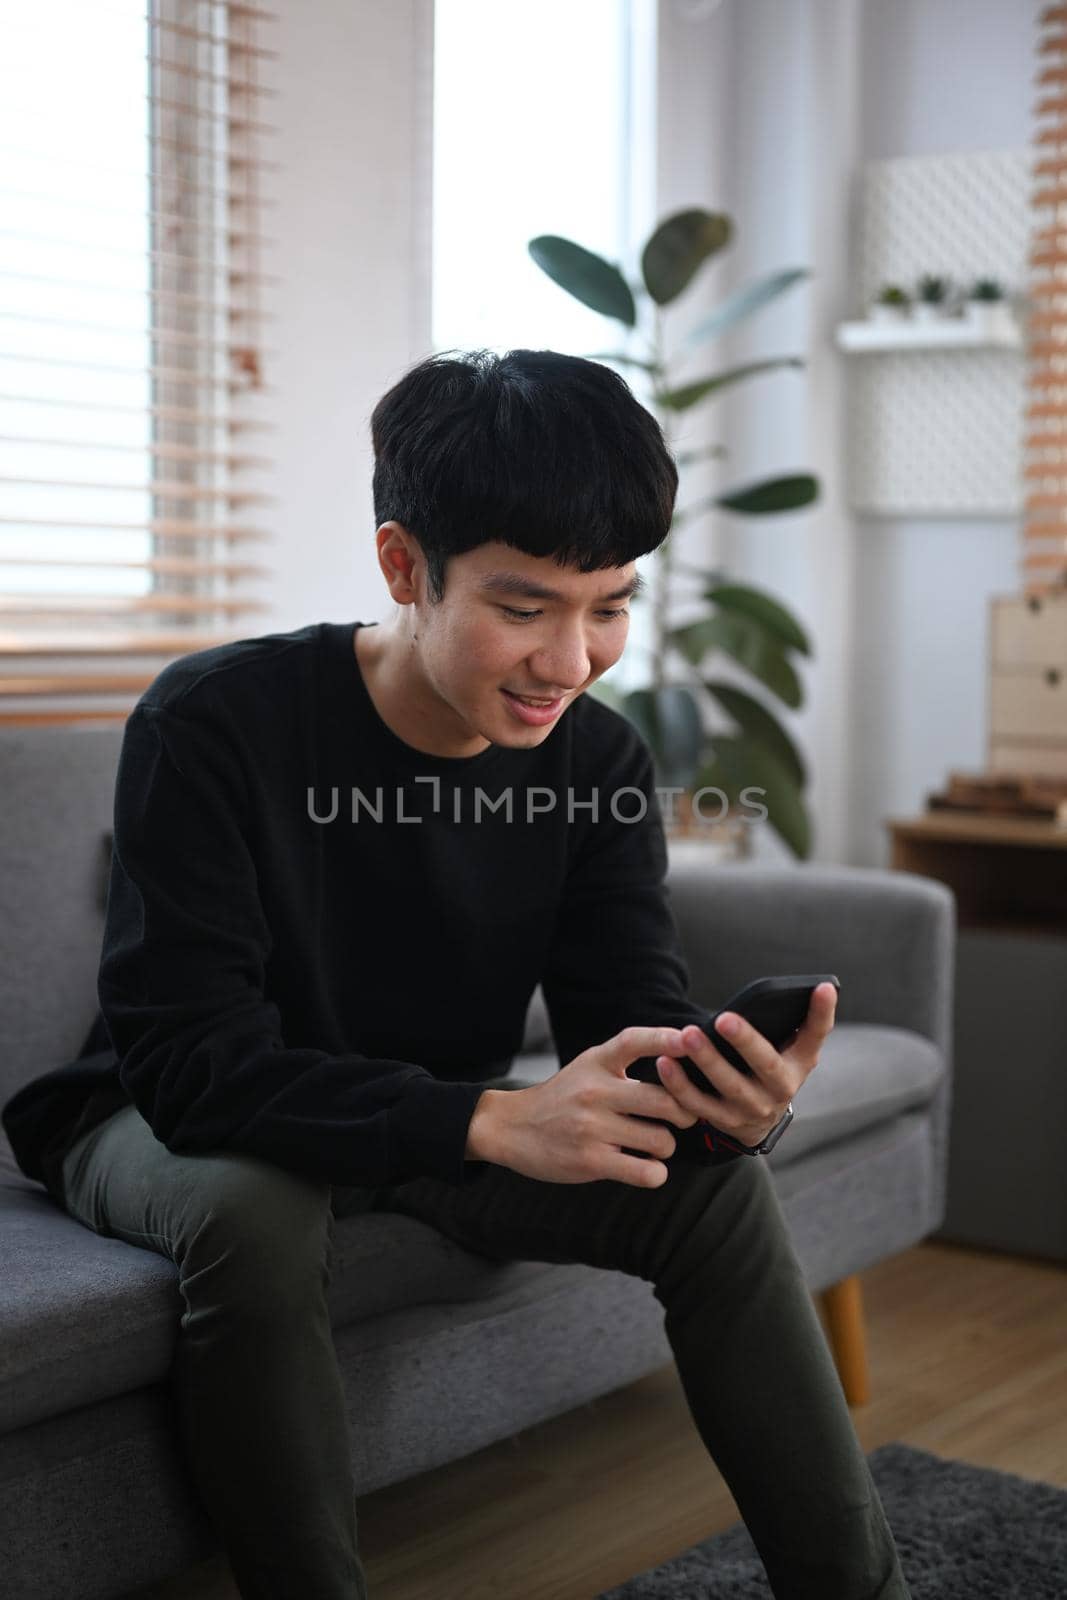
343	859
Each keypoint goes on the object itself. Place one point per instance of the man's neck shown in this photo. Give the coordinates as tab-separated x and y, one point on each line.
389	672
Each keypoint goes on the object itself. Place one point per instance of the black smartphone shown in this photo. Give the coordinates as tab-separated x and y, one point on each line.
776	1007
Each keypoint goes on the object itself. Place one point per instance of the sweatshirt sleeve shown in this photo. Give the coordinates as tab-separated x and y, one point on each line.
616	960
182	981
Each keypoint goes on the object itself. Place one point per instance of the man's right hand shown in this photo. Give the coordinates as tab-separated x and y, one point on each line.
574	1127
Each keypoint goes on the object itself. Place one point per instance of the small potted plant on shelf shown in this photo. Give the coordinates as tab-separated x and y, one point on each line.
892	304
931	303
986	308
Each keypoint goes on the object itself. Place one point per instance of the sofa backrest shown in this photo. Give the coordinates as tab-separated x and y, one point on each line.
57	787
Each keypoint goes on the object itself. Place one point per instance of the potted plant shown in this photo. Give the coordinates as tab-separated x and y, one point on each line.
931	300
892	304
986	309
747	765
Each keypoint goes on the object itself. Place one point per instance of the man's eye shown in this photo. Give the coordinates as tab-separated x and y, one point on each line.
526	616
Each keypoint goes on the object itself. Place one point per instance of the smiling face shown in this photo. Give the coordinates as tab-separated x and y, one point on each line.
451	675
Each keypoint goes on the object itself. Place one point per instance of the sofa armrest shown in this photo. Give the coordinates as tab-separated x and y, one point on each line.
889	936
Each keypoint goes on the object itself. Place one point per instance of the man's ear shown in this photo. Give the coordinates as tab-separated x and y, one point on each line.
400	558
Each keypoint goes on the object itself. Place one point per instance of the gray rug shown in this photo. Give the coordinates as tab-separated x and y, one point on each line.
963	1532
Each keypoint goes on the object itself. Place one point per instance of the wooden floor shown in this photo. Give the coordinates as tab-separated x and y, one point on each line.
968	1359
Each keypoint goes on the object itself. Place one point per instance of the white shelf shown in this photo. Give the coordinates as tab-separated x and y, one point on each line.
951	333
935	408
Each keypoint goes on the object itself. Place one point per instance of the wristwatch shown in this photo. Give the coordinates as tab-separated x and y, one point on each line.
715	1139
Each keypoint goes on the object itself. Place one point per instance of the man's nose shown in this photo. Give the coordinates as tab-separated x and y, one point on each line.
562	665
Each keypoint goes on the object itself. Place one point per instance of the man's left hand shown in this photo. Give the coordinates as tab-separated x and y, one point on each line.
749	1107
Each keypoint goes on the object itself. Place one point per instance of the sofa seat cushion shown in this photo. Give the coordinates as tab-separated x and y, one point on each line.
84	1317
866	1074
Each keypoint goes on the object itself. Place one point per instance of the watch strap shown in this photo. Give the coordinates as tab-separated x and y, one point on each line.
716	1140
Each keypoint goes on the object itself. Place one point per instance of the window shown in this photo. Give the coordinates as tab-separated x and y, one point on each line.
132	361
542	124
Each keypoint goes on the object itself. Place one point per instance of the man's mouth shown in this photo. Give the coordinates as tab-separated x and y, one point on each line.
536	711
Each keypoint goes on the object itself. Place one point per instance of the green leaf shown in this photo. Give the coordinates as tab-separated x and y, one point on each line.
690	393
762	609
761	725
654	368
772	494
749	644
678	247
745	302
668	718
740	766
588	277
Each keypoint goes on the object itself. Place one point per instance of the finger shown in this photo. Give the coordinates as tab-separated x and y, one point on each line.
739	1099
823	1008
641	1172
751	1045
633	1043
634	1133
769	1074
650	1100
818	1023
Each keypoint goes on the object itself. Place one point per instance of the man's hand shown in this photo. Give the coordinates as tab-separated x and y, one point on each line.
749	1107
574	1127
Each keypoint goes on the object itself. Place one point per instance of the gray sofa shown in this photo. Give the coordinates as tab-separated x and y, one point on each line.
443	1352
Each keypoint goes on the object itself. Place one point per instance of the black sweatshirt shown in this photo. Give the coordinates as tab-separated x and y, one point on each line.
320	942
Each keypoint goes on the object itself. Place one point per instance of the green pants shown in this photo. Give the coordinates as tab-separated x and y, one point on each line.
258	1392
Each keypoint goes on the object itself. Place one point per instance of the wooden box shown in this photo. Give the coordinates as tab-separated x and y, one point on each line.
1028	685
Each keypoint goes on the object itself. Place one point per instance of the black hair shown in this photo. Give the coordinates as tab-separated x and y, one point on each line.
548	453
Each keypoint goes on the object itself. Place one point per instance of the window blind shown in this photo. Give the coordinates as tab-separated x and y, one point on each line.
134	344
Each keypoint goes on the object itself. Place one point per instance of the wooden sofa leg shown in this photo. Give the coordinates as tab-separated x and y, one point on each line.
843	1305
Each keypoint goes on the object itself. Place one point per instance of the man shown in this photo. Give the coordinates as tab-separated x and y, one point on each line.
343	859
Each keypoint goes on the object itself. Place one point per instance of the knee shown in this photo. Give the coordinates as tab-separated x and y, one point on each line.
723	1214
724	1196
262	1240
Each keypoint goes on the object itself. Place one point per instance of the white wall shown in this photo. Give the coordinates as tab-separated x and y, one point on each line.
947	75
353	225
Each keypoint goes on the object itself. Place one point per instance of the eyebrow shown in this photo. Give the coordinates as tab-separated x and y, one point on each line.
515	583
